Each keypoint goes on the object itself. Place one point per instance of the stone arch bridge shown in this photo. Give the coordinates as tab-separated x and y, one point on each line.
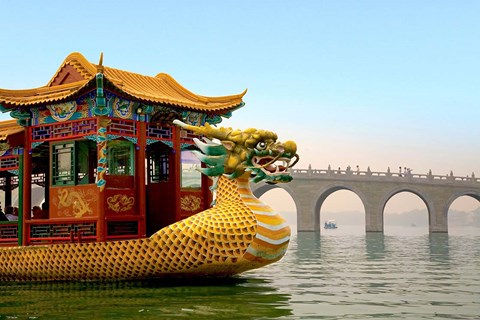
310	187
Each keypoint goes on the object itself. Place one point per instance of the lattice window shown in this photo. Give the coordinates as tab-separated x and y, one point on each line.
62	130
159	132
9	163
158	167
122	228
120	157
86	160
41	133
63	164
74	162
122	127
85	127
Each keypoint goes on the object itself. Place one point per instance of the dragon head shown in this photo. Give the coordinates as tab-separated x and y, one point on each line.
251	150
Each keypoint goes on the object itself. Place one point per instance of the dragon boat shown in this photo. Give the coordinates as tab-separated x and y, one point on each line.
128	192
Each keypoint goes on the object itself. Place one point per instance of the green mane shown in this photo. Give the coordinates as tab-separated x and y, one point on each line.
213	155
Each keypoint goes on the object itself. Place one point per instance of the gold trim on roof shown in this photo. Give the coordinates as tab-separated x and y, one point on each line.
28	97
161	89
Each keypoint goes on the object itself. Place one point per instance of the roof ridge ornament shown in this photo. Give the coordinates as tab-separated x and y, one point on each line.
100	67
101	108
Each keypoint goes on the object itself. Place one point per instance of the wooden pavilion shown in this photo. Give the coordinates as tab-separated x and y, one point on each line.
101	144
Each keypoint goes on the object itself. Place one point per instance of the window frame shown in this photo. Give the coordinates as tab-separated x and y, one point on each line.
73	178
198	174
158	167
112	167
62	179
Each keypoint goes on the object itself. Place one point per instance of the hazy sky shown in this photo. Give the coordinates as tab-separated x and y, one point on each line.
368	83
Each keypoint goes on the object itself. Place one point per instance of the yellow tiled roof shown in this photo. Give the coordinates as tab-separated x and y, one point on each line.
156	90
42	95
8	128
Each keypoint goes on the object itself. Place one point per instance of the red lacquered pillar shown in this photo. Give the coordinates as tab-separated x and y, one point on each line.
27	186
140	177
177	148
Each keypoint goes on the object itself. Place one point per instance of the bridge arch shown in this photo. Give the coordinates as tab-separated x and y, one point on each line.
471	193
325	192
452	216
310	188
422	195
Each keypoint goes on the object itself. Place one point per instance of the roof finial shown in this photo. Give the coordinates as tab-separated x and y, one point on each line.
100	64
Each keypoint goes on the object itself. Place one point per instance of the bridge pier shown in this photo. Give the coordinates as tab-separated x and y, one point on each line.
438	215
306	221
373	221
373	213
307	217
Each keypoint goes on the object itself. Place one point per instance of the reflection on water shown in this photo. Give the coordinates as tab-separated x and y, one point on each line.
375	245
338	274
158	299
439	248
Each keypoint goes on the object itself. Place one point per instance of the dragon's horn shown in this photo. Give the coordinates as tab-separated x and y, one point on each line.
210	148
206	130
185	126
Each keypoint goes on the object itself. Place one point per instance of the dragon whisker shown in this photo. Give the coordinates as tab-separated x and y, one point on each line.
296	160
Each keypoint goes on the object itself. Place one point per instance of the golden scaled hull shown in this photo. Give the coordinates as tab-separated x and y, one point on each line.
238	234
197	246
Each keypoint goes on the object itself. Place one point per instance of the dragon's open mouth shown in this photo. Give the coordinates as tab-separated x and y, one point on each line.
271	165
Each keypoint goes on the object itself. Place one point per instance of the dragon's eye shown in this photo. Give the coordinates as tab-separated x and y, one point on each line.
261	145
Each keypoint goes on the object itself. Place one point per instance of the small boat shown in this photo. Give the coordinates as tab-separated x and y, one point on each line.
330	224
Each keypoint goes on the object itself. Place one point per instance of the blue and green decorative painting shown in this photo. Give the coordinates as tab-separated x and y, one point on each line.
66	111
116	107
62	111
121	108
83	107
194	118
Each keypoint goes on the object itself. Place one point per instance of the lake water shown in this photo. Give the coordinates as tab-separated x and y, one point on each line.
335	274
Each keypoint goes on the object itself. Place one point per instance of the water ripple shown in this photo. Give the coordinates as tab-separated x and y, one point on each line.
358	276
333	275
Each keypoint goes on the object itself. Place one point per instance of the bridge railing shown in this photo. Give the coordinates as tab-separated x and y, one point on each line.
397	176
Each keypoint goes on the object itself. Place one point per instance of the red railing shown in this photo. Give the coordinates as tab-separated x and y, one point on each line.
63	231
8	233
